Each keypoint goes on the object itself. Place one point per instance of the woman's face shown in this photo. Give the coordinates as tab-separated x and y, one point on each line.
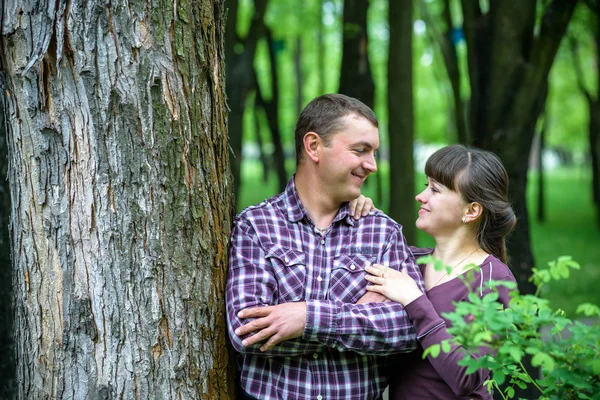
441	209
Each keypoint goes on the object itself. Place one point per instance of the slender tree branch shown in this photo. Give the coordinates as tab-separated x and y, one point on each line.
574	47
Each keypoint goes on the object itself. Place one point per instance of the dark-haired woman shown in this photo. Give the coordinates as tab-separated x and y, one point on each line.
465	208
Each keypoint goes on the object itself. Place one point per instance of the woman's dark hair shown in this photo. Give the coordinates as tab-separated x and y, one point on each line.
479	176
323	116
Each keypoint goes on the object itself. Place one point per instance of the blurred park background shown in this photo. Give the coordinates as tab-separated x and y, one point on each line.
519	78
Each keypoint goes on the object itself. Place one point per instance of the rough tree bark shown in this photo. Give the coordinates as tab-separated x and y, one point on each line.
7	361
121	197
509	61
401	118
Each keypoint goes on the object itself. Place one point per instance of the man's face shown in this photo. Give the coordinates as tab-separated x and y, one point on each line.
349	158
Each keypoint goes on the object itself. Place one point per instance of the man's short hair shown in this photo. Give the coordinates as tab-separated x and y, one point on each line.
323	116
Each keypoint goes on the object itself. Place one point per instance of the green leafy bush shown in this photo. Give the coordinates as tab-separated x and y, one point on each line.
567	352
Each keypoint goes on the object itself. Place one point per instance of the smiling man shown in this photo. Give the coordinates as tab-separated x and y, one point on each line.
299	316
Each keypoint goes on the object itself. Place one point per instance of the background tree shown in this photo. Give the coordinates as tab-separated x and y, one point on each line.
271	107
356	79
400	115
446	37
122	199
509	60
240	51
7	361
592	25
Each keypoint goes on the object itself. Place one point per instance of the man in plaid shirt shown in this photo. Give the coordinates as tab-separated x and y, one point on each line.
298	314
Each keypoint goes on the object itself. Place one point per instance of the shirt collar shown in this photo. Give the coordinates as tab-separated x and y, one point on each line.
296	211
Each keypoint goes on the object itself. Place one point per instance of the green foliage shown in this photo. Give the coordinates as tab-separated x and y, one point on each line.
566	351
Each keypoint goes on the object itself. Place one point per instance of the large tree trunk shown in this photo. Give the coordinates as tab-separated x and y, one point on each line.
401	118
508	75
509	61
121	198
7	349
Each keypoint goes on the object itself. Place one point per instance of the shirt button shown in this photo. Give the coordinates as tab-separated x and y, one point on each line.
322	241
319	397
353	267
319	278
287	259
315	356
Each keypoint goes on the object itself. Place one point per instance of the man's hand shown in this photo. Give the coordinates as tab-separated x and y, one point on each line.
274	324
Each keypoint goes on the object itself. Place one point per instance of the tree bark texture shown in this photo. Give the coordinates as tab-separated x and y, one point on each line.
121	197
7	342
508	68
401	118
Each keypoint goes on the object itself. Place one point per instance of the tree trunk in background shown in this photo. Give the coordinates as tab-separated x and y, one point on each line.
401	118
356	79
298	73
263	157
240	81
321	64
594	140
447	44
355	75
271	108
508	76
541	196
509	61
121	198
7	342
594	125
593	100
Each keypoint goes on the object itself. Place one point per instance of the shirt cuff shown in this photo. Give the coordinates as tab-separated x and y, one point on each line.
423	316
322	320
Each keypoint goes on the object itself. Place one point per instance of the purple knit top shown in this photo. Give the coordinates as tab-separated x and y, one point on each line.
412	377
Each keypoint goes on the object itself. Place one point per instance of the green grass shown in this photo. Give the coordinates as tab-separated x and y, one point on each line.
569	228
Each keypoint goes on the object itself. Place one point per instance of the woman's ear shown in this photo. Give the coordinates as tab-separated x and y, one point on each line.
312	145
473	212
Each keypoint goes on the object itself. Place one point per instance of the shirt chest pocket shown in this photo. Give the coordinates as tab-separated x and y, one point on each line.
289	267
348	281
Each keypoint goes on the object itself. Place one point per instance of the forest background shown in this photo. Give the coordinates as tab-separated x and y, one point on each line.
307	44
119	199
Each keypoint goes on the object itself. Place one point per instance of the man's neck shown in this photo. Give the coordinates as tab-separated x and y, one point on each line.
319	206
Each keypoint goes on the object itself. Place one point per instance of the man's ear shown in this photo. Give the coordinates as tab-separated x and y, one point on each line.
473	212
312	145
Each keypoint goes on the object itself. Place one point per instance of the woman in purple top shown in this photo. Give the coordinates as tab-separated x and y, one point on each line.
465	208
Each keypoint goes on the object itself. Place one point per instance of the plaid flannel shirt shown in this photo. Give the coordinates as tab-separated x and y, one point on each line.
276	255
